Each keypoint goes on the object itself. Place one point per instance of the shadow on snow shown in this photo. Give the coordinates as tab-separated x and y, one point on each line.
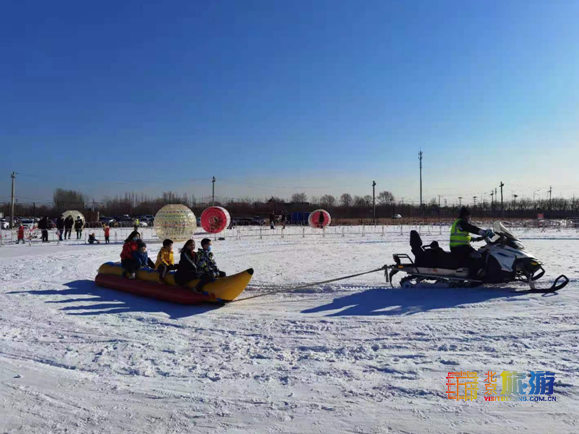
110	301
397	301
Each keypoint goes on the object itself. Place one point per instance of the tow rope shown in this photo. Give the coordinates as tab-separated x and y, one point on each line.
311	284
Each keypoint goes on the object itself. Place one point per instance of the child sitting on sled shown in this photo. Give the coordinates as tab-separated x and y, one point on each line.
187	271
165	260
92	239
128	260
206	265
142	256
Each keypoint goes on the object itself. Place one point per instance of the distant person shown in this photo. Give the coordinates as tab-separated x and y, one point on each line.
136	224
78	224
107	232
165	260
128	260
43	226
272	220
21	235
68	224
60	227
92	239
187	271
283	219
142	256
321	219
206	264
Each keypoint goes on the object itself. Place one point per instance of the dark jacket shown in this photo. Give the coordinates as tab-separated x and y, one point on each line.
78	224
187	270
465	226
206	264
69	222
43	223
60	223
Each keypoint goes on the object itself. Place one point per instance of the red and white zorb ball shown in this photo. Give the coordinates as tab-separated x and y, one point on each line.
215	219
319	218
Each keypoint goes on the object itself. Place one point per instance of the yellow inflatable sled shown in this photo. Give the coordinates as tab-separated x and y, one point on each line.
222	290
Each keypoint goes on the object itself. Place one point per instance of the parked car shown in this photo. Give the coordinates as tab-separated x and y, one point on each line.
4	224
107	220
257	220
396	216
28	223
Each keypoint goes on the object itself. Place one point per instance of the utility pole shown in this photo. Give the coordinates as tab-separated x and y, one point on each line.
420	158
374	200
459	200
213	194
439	200
550	194
12	201
474	200
502	203
492	200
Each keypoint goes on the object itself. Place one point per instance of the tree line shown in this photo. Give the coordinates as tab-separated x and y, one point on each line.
344	206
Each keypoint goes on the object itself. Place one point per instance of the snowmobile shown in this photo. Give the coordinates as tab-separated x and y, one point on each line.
504	257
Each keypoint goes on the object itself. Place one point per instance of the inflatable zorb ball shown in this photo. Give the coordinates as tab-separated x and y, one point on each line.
319	219
176	222
215	219
74	215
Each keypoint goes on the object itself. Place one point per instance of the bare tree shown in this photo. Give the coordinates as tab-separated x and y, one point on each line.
68	199
299	198
360	201
346	200
385	197
328	200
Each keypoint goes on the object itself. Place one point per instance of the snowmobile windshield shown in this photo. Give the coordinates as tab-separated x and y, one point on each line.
499	228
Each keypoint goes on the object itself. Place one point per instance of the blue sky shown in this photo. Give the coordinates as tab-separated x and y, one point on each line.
275	97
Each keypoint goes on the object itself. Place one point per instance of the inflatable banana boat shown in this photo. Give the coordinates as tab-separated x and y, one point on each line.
146	284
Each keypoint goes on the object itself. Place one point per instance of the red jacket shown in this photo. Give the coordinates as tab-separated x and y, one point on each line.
107	231
128	248
21	232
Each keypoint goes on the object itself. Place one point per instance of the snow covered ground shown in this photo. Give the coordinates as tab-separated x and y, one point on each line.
354	356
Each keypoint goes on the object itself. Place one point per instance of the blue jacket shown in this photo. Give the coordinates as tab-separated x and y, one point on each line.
142	258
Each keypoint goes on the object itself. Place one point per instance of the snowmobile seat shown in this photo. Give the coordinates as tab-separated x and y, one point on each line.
431	256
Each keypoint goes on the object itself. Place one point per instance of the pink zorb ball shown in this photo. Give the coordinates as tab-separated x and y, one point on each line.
319	218
215	219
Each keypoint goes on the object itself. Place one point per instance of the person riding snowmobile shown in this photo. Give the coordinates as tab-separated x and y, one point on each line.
460	240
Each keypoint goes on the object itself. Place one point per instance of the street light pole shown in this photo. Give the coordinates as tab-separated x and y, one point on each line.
374	200
12	198
213	193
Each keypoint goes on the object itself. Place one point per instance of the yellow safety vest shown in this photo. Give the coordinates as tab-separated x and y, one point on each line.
458	237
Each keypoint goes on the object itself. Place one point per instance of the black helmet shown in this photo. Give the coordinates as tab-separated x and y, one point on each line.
464	212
